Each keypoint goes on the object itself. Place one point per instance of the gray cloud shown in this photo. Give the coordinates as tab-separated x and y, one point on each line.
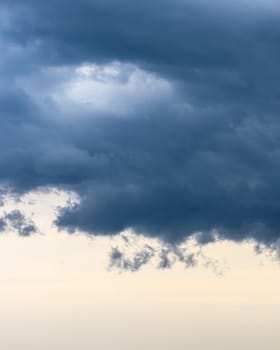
133	252
17	221
203	157
2	225
119	261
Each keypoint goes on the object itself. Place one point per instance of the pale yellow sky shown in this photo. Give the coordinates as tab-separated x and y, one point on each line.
56	293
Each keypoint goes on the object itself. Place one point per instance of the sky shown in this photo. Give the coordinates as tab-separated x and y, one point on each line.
139	174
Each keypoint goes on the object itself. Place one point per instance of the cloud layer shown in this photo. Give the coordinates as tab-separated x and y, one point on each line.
162	116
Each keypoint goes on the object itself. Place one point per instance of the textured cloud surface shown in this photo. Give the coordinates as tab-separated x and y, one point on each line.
162	116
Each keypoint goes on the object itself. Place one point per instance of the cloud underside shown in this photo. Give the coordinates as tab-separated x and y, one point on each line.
163	117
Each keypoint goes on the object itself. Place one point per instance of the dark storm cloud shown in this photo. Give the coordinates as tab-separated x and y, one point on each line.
206	159
171	175
172	37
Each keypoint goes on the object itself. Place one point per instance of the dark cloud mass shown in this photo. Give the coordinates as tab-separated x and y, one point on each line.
203	155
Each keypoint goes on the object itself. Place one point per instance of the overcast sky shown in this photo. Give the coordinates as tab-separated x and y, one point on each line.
140	137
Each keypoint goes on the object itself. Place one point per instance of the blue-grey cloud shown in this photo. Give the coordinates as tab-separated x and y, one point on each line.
203	157
132	252
2	225
18	222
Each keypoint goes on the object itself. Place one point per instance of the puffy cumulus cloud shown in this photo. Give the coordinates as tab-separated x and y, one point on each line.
162	116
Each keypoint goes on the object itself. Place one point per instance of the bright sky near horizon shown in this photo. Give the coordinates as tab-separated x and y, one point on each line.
57	292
